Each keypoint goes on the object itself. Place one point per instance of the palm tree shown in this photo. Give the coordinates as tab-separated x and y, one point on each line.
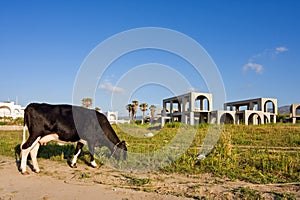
152	112
143	107
134	109
129	108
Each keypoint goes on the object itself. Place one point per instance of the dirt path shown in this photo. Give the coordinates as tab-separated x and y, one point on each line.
58	181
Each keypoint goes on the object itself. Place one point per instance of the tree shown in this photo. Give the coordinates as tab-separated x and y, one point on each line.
98	109
152	112
143	107
134	109
129	108
87	102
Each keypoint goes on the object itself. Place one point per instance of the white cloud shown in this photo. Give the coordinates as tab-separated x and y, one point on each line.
280	49
111	88
258	68
266	54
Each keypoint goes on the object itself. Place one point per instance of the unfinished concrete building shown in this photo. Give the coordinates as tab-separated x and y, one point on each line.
194	108
251	111
295	113
191	108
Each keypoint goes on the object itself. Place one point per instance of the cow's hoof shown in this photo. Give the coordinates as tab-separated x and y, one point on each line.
95	166
37	171
25	173
73	166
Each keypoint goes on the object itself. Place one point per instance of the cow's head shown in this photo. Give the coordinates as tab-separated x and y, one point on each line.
120	147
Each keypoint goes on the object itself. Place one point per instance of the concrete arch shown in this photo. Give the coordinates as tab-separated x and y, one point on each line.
267	108
227	118
298	110
202	102
5	111
295	113
254	118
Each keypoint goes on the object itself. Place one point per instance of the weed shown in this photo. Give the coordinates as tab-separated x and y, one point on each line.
134	181
283	196
247	193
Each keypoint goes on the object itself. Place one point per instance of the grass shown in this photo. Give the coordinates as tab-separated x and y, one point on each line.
258	154
247	194
134	181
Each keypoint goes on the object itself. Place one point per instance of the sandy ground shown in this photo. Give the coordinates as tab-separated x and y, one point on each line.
50	185
59	181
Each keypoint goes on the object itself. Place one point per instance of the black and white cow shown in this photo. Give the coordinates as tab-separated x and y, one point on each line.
67	123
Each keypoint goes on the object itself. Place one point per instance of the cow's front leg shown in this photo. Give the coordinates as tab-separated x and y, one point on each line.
77	153
25	149
91	150
93	162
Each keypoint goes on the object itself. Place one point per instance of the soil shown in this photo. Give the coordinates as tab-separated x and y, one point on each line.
58	181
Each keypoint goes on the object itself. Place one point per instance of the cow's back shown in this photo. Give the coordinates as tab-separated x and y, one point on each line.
44	119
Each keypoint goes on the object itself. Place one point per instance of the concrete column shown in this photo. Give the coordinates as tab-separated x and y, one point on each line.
201	104
192	118
250	106
246	118
192	104
262	118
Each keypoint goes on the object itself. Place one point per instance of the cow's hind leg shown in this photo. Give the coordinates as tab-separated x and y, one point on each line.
25	149
77	152
33	154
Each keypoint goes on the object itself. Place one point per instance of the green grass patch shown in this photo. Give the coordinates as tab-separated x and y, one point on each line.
257	154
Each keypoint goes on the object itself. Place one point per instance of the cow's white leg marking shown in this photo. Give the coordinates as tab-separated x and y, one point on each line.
74	160
24	155
94	164
33	154
48	138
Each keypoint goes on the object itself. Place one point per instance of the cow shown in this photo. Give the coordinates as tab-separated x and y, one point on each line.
67	123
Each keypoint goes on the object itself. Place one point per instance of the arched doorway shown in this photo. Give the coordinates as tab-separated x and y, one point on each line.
226	118
298	110
254	119
269	106
5	111
202	103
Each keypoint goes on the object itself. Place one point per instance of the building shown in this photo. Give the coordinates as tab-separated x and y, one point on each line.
295	113
251	111
113	118
191	108
10	109
194	108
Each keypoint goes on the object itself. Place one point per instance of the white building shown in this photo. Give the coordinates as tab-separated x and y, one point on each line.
113	118
194	108
191	108
9	109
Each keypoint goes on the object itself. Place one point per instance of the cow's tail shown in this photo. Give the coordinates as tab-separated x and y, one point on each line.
24	135
24	129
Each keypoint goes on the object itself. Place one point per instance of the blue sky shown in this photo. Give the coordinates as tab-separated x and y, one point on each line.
254	44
